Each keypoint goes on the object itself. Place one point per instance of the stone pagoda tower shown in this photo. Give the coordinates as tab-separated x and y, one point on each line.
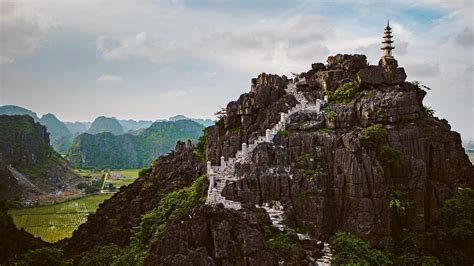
387	59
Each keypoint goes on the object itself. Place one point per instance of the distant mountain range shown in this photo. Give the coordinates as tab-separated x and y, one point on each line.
62	134
105	150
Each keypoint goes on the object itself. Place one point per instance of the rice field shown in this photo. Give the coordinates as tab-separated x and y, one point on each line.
129	172
57	221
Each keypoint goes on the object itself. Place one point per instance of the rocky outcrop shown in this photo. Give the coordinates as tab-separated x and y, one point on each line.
249	116
217	236
339	169
113	221
34	168
329	178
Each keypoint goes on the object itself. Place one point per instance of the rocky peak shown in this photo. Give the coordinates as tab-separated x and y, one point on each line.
347	62
182	146
326	168
264	80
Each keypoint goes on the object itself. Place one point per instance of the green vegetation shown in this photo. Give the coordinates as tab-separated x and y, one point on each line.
329	114
283	133
420	86
128	172
55	222
89	172
106	124
60	137
100	255
398	199
43	256
390	156
348	249
428	111
282	242
23	140
307	163
154	222
201	146
380	113
344	93
454	228
325	130
372	135
370	94
106	150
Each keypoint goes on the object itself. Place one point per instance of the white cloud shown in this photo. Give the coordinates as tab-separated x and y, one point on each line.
109	80
5	60
23	30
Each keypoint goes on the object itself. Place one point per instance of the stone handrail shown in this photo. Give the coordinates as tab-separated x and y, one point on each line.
220	175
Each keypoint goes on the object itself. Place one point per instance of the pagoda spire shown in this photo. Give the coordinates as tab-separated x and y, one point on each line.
387	41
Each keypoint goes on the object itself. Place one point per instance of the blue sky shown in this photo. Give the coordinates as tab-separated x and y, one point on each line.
154	59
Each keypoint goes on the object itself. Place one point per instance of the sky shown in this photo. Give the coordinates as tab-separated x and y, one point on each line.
80	59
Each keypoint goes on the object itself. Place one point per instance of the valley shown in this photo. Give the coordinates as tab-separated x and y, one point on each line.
57	221
54	222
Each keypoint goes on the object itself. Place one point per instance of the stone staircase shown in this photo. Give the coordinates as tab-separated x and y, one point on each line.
325	260
220	176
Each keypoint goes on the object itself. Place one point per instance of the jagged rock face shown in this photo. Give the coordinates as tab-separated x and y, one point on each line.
113	221
213	236
26	152
216	236
326	176
249	116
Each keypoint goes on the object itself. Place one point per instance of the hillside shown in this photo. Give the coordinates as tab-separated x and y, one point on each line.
132	125
106	150
77	128
17	110
372	161
30	165
105	124
204	122
60	135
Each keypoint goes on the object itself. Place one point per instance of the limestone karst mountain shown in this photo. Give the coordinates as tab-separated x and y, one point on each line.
204	122
77	128
29	166
60	135
106	124
106	150
345	146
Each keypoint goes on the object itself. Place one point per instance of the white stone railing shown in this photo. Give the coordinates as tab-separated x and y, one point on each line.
220	175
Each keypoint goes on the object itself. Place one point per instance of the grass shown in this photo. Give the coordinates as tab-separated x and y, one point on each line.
88	172
57	221
118	182
129	172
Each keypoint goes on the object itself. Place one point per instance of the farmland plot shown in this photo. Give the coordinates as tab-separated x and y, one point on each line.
55	222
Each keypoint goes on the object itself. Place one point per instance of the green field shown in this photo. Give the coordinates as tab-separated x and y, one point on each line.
55	222
129	175
87	172
129	172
